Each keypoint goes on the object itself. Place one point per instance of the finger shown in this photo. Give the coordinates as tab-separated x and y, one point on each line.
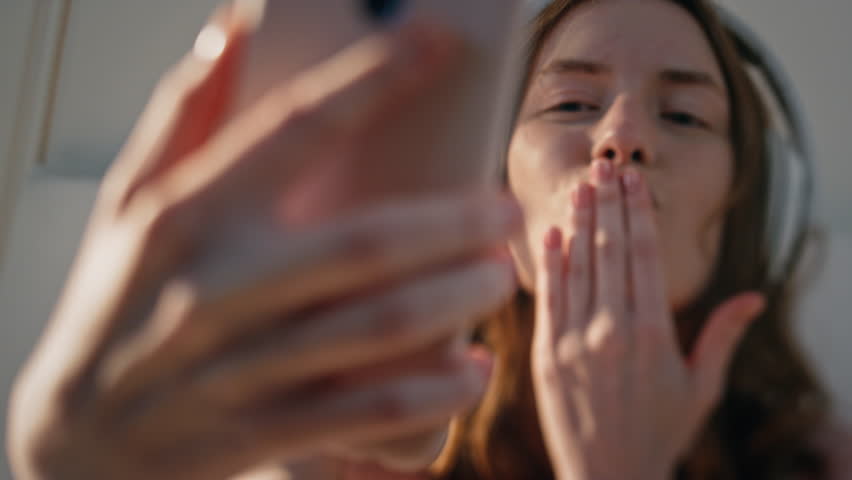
549	291
406	453
717	344
316	114
610	244
578	282
249	283
360	414
191	406
186	108
416	451
379	328
650	302
171	216
296	424
403	321
265	276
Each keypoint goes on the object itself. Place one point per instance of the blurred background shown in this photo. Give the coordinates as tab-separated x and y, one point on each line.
74	74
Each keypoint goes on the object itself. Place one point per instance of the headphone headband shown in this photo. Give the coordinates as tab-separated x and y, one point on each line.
791	155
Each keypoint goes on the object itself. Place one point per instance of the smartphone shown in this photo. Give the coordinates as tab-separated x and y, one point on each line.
451	139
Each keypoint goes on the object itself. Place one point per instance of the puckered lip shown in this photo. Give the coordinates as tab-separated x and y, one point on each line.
655	199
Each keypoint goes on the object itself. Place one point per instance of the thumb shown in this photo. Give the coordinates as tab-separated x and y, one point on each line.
717	343
187	106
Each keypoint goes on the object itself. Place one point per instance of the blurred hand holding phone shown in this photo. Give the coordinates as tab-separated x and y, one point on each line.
450	138
199	330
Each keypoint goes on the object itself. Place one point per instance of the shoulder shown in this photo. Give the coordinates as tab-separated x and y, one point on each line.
835	440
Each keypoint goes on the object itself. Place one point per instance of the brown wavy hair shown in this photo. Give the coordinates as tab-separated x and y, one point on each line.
773	405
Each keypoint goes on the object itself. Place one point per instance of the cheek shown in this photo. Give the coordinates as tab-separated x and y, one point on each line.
690	220
543	168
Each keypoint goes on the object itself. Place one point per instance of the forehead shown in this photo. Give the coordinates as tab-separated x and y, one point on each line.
639	35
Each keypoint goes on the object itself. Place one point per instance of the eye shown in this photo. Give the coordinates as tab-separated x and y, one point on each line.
574	107
684	119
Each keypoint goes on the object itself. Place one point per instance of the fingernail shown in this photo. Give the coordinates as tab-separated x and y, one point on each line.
553	238
631	180
211	42
602	170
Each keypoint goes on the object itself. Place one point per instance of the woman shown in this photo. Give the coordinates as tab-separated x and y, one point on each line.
654	90
223	340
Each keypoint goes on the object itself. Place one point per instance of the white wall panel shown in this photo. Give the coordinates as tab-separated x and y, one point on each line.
114	53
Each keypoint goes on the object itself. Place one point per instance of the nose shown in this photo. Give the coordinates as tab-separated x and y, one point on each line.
623	135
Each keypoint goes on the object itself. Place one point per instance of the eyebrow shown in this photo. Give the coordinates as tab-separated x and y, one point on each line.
671	75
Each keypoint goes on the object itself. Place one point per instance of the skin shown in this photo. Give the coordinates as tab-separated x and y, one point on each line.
189	402
614	245
620	159
621	173
200	336
679	129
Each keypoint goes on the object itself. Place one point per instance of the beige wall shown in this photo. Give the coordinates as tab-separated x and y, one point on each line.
111	56
49	221
116	48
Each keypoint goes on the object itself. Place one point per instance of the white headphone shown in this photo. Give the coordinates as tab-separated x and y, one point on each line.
790	149
789	145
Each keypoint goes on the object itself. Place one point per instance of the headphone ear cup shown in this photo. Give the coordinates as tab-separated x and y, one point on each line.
788	212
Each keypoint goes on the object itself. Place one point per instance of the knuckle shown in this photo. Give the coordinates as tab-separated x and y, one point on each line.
177	312
606	245
168	228
606	339
569	349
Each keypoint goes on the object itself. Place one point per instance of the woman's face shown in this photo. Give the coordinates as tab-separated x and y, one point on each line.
634	81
